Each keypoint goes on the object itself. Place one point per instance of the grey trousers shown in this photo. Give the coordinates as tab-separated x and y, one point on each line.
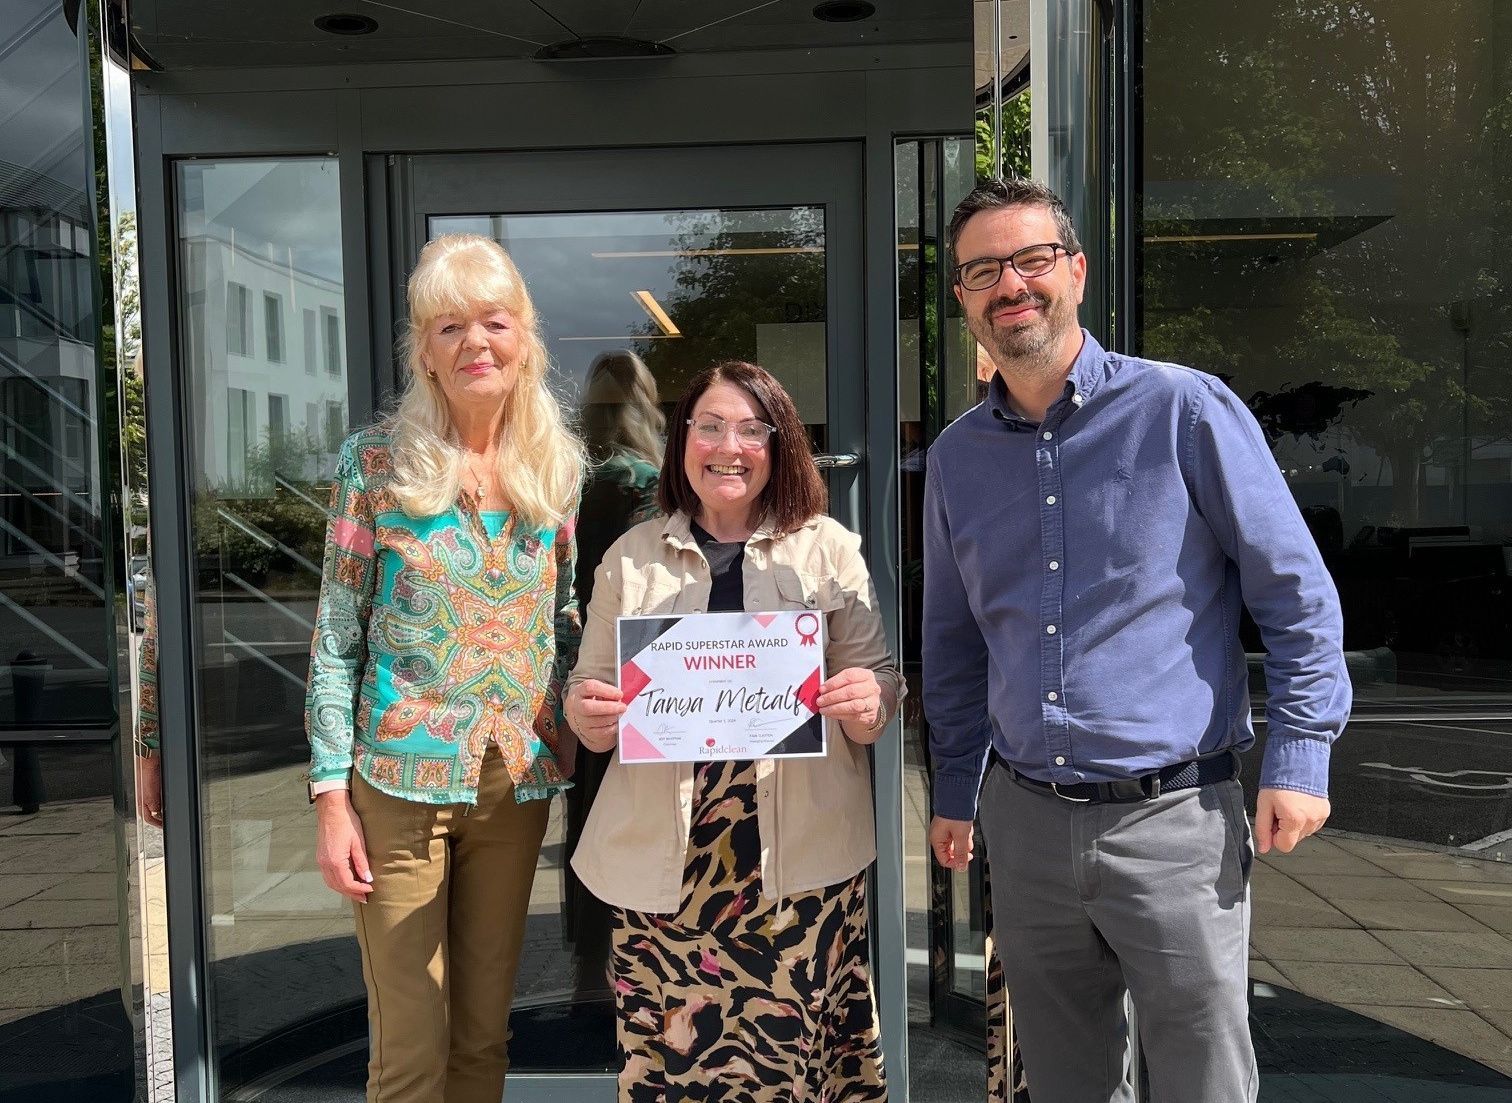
1092	900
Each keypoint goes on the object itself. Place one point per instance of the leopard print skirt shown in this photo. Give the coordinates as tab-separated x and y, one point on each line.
741	999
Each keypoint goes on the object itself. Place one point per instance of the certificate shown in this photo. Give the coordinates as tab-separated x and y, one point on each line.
708	687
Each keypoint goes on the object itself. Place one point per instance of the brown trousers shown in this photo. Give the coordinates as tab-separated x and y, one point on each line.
441	935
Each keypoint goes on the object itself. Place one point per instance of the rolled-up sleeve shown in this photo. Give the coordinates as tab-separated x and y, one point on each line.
1243	497
955	669
339	651
857	636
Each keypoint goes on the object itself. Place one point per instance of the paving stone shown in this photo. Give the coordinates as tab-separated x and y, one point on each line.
1319	855
1496	916
1309	944
1378	886
1263	972
1430	865
1385	985
23	947
16	1014
1481	949
1462	1032
1479	988
83	886
1469	892
54	913
15	887
46	985
1408	915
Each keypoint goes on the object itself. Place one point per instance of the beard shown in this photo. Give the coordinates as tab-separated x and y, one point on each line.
1023	348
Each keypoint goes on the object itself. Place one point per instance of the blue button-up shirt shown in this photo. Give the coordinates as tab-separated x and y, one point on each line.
1083	580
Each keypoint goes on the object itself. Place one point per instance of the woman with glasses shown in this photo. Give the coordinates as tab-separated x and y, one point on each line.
740	923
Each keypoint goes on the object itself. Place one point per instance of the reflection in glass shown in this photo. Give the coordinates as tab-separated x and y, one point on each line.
267	417
624	429
635	304
1324	231
680	289
957	1043
67	939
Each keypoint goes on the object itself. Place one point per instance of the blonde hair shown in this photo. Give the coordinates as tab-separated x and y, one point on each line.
540	462
621	382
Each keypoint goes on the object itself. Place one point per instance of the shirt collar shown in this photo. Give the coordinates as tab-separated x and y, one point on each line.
1081	382
678	531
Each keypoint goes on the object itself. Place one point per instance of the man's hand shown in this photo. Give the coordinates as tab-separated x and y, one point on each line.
1285	818
950	842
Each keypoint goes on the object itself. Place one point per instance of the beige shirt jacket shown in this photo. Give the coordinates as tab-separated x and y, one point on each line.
815	814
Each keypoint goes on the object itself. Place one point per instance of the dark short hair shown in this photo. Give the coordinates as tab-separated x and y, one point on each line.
992	195
794	494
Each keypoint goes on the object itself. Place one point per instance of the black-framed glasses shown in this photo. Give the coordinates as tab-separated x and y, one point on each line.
1028	262
711	429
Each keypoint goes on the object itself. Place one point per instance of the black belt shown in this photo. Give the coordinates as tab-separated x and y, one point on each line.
1178	775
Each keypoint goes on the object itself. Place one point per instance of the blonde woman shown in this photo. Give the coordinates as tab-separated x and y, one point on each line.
445	626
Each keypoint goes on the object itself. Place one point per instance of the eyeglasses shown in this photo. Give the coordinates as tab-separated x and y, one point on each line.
1028	262
712	430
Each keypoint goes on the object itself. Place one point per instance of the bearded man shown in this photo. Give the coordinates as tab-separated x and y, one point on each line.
1092	530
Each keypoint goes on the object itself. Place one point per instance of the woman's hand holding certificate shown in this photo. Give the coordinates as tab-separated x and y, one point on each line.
593	709
854	698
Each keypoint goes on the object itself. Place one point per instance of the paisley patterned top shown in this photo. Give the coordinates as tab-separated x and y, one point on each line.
433	640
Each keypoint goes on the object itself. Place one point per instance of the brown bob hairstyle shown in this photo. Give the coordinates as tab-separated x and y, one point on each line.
795	492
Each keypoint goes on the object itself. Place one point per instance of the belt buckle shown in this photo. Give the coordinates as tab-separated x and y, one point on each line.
1054	788
1134	789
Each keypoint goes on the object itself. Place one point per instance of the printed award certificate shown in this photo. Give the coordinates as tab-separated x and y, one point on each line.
711	686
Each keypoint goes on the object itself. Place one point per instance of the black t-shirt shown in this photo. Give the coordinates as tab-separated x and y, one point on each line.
726	571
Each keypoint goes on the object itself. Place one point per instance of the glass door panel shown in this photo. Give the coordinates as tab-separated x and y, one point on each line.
259	254
640	285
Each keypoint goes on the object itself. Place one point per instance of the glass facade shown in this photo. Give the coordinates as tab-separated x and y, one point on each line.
70	950
1323	192
256	237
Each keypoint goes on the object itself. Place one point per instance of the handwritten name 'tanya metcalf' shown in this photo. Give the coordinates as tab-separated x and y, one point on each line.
745	699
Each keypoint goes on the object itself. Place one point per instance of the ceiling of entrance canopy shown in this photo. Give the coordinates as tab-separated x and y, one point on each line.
196	34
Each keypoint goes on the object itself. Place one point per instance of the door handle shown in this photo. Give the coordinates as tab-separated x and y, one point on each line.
837	459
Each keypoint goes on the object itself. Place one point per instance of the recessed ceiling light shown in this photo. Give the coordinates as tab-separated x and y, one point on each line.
346	24
603	46
844	11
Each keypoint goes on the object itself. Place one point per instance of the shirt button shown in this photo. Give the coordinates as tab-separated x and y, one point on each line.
1060	760
1077	398
1049	436
1049	629
1054	565
1050	501
1052	695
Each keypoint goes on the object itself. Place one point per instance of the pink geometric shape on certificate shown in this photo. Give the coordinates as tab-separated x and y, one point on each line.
636	747
764	619
808	692
632	680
